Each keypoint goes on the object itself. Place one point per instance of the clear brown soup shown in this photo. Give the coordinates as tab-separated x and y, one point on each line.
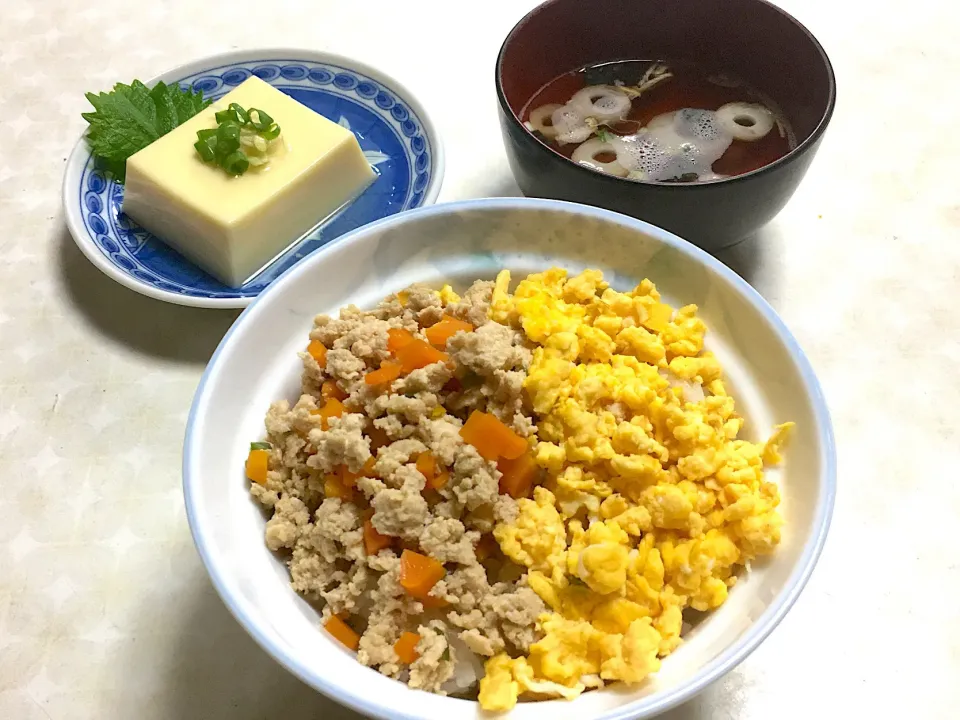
689	87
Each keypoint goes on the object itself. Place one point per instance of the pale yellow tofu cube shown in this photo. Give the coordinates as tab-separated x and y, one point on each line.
233	226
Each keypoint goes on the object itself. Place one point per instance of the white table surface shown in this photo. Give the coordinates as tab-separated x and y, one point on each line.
105	609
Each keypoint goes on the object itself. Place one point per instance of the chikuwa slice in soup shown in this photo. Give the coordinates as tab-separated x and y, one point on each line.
658	122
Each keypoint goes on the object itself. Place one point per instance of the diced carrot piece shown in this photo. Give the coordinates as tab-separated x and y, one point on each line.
419	573
388	372
330	389
438	480
257	465
333	486
491	437
417	354
318	352
342	632
378	438
373	541
406	647
398	338
657	317
349	478
445	329
427	465
517	475
332	408
432	601
486	547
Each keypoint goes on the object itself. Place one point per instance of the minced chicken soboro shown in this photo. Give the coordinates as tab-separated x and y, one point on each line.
525	490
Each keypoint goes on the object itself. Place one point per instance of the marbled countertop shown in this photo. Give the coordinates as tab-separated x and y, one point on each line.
105	609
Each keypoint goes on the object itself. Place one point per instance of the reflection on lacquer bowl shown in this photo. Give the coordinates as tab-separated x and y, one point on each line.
257	363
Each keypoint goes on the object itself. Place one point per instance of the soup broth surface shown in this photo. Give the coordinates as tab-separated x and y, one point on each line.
657	121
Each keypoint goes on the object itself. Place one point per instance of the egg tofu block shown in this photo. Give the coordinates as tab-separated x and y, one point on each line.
233	226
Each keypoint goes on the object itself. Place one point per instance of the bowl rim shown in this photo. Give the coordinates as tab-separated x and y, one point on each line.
801	147
733	655
80	154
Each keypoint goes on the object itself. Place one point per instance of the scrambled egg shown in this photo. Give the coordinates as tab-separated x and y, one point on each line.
652	503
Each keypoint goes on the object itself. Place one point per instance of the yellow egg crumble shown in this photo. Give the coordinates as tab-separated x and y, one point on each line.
651	503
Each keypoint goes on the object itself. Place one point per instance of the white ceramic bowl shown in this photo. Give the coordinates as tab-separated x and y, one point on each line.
257	363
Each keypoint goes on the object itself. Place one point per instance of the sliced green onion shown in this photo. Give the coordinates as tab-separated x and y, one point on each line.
229	128
240	113
271	133
212	143
228	138
261	446
263	120
237	127
206	152
233	113
235	163
206	144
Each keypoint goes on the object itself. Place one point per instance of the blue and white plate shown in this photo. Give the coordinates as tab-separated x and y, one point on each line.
393	129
